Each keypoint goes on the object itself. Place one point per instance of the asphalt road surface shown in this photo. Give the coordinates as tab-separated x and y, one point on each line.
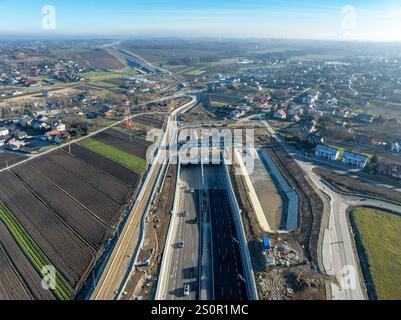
227	265
184	267
217	257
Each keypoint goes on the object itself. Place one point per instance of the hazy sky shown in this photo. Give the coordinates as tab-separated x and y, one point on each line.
311	19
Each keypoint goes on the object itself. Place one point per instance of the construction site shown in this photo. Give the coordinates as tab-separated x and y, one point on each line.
273	200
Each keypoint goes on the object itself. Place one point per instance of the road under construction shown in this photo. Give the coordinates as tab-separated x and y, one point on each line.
118	267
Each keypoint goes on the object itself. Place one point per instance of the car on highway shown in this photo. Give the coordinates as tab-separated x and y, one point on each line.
186	290
181	244
196	220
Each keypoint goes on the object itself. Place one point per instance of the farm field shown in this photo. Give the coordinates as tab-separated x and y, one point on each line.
32	251
62	216
106	75
100	204
10	158
122	134
379	235
11	286
29	276
194	72
96	177
120	172
65	208
122	142
126	159
150	121
89	227
63	247
98	58
102	84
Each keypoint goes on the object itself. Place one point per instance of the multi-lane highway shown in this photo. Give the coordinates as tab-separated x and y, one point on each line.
184	262
227	266
210	260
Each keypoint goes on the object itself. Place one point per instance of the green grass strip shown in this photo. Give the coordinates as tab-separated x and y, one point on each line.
380	237
128	160
35	255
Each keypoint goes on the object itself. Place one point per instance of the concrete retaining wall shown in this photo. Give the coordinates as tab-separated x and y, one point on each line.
245	255
256	206
290	194
163	276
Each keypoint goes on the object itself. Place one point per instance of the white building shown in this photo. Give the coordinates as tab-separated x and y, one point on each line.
355	159
326	152
311	98
4	131
58	126
2	141
15	145
396	146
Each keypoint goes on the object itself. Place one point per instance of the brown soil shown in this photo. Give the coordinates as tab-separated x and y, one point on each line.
144	281
346	183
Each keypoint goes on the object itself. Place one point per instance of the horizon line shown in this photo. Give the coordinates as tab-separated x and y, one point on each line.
54	37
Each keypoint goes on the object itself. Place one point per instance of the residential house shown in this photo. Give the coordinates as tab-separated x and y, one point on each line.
330	104
310	98
315	138
295	111
296	119
11	126
57	136
39	125
389	168
355	159
24	121
280	114
58	126
367	118
4	131
326	152
3	140
15	144
20	135
368	140
110	114
309	127
105	108
43	118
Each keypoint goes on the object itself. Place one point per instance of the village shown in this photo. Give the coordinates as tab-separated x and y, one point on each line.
325	109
